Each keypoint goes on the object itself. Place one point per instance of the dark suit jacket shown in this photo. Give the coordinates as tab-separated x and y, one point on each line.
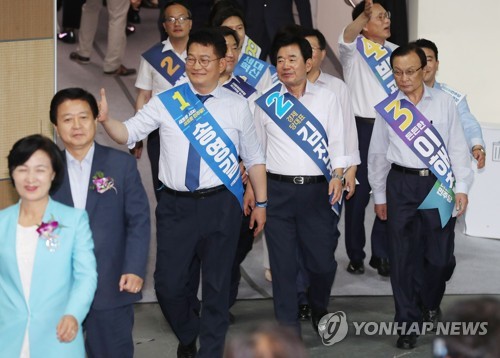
264	18
119	222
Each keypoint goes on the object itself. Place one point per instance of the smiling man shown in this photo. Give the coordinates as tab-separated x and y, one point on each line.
419	170
301	127
203	128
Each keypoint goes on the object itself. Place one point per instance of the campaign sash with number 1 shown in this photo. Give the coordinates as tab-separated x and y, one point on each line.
378	59
301	126
167	63
206	136
425	141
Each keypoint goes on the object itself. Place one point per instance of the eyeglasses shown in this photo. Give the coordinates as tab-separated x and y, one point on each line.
204	62
180	19
382	16
408	73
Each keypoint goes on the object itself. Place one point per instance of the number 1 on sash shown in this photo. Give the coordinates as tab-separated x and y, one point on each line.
177	96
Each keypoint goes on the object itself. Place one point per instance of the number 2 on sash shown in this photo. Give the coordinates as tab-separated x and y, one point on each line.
177	96
282	106
399	112
170	63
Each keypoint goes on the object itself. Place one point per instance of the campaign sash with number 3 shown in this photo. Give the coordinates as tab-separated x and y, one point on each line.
425	141
301	126
206	136
167	63
378	59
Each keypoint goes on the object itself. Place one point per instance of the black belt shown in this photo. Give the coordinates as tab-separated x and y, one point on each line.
420	172
365	120
297	179
197	194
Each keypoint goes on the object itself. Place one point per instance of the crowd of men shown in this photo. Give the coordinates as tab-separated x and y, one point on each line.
227	140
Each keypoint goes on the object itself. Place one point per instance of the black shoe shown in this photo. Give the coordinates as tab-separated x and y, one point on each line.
381	265
304	312
356	268
67	36
315	318
74	56
129	29
432	316
232	319
121	71
407	342
188	351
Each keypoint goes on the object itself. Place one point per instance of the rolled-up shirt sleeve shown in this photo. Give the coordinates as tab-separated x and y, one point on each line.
145	120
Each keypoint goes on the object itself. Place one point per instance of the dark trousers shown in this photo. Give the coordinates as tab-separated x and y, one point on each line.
108	333
355	207
420	250
299	217
245	243
71	13
206	229
153	148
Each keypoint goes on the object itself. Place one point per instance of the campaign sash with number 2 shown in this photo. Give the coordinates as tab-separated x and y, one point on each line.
167	63
378	59
206	136
425	141
301	126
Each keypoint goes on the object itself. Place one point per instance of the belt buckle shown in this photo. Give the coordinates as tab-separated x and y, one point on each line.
423	172
298	180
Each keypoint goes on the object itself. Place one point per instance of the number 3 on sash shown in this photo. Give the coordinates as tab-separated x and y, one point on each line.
399	112
177	96
282	106
169	62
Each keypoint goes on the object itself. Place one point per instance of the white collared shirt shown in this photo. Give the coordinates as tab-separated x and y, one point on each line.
338	87
386	147
231	113
149	79
366	90
283	155
79	177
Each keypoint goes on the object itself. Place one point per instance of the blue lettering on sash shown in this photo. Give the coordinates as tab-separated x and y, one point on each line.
378	59
167	63
251	69
206	136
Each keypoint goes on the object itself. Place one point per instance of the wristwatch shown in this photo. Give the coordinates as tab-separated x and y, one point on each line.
339	177
478	147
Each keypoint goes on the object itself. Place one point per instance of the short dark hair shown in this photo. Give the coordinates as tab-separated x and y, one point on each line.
175	2
406	50
424	43
223	10
285	39
209	37
358	10
306	32
24	148
227	31
74	93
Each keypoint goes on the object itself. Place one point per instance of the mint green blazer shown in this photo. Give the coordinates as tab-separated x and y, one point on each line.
63	283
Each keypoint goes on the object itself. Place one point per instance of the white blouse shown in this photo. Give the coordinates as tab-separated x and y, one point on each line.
26	243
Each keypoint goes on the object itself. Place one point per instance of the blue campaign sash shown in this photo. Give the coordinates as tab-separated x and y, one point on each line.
240	87
206	136
301	126
425	141
251	69
274	74
378	59
167	63
250	47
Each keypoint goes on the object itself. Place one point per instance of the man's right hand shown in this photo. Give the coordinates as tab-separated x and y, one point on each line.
102	116
368	8
381	211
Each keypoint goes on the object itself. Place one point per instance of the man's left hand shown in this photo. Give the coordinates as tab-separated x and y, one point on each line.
350	181
461	201
258	217
130	283
335	187
480	156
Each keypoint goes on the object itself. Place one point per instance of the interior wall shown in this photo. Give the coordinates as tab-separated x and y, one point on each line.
27	77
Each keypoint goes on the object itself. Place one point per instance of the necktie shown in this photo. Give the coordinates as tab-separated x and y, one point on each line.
193	163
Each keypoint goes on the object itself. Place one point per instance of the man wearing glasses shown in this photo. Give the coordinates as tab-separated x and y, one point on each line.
364	55
203	129
162	66
418	162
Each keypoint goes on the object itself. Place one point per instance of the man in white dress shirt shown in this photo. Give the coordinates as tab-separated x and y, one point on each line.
421	243
203	223
300	195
